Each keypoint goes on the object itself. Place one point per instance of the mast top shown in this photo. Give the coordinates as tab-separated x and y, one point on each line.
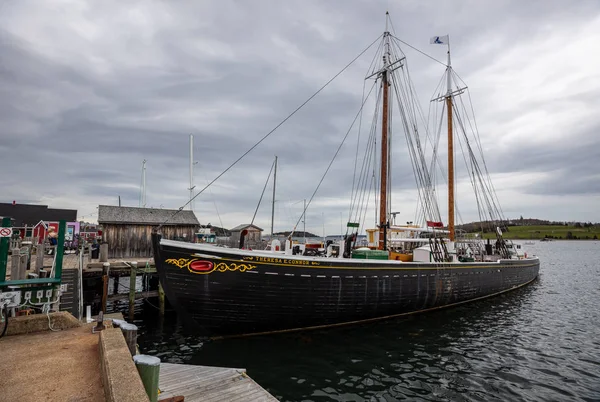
449	68
387	18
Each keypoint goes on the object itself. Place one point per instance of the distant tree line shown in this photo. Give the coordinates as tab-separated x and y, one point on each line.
488	226
298	233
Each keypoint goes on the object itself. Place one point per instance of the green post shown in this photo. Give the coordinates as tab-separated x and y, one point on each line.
4	244
60	249
149	370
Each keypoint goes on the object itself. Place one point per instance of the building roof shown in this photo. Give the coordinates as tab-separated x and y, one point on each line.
243	226
31	215
145	216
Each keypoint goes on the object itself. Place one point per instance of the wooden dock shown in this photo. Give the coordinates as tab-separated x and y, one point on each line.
205	383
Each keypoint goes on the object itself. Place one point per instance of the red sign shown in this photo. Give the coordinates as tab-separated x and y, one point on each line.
5	232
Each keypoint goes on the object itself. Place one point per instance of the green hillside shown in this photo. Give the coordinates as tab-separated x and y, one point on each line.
574	232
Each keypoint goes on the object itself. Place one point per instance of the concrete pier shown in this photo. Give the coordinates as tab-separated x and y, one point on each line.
72	363
50	366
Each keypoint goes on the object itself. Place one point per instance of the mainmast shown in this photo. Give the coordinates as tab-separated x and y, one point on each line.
383	196
450	150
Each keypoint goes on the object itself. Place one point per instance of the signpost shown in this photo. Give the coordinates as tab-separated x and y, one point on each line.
4	243
6	232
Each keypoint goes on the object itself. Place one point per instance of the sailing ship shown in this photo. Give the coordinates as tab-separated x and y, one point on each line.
405	269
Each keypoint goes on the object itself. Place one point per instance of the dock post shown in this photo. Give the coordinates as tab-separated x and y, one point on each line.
103	252
149	369
39	256
105	272
132	280
130	334
161	299
116	283
15	266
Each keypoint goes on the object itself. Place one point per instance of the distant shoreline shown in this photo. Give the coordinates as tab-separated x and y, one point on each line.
552	232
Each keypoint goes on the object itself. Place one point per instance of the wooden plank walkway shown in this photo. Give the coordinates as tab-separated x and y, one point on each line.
205	383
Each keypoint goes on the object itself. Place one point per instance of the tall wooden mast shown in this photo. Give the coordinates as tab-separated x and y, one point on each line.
383	196
450	151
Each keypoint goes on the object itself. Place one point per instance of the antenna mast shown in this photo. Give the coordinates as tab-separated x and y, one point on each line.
143	186
191	188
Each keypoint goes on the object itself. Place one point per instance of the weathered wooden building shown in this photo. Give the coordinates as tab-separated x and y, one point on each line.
128	230
252	235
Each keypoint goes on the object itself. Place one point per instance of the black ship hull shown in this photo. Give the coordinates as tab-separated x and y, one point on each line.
233	292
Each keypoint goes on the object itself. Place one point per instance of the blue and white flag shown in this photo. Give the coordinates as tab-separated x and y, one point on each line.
439	40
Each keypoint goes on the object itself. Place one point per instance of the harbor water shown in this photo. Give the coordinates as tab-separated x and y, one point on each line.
538	343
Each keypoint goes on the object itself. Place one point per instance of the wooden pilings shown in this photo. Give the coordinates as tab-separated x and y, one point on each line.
119	289
105	273
130	334
161	299
132	281
39	257
103	252
17	268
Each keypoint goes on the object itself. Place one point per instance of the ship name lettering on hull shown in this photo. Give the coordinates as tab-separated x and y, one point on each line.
275	260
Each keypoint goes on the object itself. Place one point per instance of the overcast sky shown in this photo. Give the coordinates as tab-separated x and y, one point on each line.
90	89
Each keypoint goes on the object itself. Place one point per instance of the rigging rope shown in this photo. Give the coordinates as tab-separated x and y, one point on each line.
420	51
270	132
331	163
263	192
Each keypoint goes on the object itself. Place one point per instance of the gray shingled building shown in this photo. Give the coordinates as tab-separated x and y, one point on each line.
128	230
252	235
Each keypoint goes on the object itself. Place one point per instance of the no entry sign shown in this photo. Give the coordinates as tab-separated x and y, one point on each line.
5	232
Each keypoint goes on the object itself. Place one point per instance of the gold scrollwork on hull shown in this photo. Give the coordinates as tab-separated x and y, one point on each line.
180	262
203	267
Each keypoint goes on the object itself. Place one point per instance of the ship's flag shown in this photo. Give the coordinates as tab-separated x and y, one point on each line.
439	40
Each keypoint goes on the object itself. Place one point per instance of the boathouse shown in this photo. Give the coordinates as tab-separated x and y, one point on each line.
252	235
128	230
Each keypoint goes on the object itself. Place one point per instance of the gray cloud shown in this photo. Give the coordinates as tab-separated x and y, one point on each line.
89	91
